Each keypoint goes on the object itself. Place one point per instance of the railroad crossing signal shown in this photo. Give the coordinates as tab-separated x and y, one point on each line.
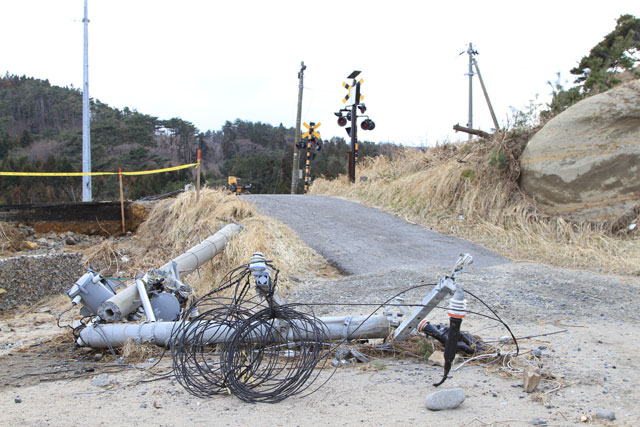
348	95
311	130
311	140
350	114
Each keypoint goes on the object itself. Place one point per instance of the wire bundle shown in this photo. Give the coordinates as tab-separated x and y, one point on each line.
247	346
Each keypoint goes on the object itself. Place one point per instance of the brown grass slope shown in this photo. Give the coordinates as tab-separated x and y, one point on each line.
457	189
175	225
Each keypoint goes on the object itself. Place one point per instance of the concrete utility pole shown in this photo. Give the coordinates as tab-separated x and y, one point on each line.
294	168
470	52
86	114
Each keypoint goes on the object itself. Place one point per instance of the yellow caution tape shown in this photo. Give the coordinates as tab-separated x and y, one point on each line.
173	168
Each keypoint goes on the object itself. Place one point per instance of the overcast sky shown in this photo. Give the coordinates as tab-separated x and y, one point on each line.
211	61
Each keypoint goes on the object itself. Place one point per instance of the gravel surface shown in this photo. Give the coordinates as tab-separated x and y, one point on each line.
27	279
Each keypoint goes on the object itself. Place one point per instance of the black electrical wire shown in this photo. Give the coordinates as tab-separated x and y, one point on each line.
246	346
252	348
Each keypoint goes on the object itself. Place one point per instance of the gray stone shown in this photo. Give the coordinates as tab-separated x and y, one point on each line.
101	380
445	399
584	163
605	414
539	422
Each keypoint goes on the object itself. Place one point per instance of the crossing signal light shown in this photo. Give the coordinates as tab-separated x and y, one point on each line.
342	121
368	124
362	108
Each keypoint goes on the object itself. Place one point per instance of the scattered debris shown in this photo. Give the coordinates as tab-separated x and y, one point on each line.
445	399
539	422
531	379
437	358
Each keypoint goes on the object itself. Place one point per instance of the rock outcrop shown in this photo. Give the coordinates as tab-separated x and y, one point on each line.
585	162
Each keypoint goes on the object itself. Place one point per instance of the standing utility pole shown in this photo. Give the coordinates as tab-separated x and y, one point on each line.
294	168
352	116
469	129
470	52
86	115
354	133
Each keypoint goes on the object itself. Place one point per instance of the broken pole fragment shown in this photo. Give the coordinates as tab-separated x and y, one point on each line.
478	132
127	301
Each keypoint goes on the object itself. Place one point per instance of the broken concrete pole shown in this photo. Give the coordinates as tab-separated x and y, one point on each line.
126	302
160	333
203	252
531	379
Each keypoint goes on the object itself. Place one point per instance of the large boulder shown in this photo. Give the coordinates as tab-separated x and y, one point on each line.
585	162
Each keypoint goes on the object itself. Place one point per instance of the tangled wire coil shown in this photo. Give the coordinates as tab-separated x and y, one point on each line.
247	346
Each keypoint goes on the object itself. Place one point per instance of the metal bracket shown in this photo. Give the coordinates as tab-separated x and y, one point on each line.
345	329
395	317
445	286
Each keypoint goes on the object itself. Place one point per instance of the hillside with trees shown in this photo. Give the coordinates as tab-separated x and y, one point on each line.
41	131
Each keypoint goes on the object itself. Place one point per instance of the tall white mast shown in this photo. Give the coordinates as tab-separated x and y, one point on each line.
86	114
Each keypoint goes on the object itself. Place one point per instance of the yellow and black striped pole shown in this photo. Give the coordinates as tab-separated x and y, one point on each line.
307	168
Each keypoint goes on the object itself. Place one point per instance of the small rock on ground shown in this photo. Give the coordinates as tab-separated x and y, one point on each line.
605	414
445	399
101	380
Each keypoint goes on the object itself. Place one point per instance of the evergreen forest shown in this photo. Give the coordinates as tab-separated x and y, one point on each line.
41	131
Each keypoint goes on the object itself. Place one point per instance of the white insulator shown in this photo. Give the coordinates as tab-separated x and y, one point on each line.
458	304
258	262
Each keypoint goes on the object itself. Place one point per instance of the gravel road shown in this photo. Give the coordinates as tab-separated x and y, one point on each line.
360	240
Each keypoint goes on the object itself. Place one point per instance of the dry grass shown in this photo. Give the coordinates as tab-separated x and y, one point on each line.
133	352
175	225
482	203
11	238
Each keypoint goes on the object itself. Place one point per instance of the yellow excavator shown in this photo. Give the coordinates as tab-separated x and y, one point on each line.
234	184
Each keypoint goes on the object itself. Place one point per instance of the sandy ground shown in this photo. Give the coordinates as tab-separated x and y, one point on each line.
591	366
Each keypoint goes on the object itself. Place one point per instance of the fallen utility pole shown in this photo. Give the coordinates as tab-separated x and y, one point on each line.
296	142
477	132
161	333
100	299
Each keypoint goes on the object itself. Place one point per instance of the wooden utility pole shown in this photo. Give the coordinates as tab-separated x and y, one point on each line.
198	179
121	199
486	95
294	168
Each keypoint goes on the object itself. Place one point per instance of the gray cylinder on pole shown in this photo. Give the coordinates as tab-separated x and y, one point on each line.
127	301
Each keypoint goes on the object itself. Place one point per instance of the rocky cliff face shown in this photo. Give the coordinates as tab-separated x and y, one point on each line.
585	163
